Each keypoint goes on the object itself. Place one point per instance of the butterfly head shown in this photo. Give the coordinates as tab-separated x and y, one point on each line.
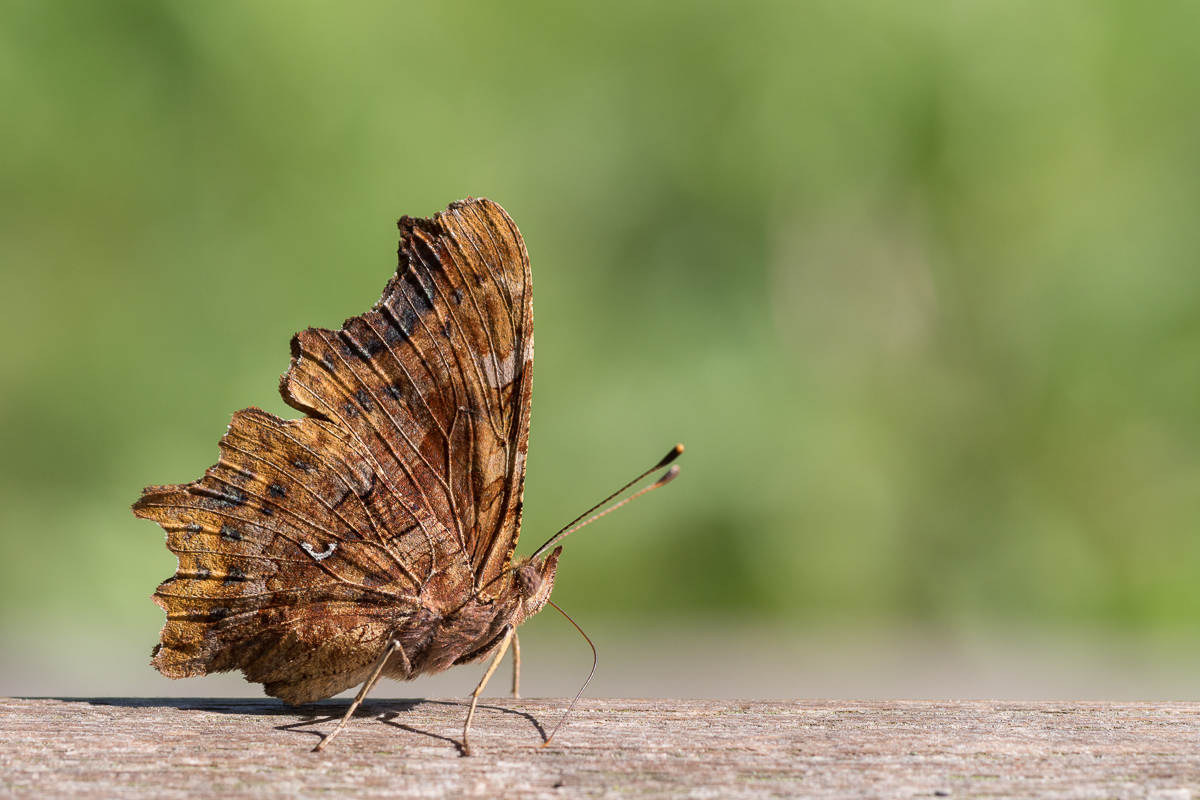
534	581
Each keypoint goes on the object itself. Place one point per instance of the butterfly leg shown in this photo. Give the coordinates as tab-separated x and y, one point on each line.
516	645
392	647
508	635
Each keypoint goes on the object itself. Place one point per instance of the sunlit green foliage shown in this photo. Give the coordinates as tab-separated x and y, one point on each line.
918	284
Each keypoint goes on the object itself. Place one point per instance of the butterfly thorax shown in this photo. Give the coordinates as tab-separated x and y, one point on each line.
431	642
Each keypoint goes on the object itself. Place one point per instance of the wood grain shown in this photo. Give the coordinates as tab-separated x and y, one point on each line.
166	748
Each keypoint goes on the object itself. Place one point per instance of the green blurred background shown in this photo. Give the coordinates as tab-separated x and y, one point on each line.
917	284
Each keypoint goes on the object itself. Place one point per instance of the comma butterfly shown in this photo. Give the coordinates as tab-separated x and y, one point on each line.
375	535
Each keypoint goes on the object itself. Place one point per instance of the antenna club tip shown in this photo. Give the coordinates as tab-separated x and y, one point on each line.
676	451
665	479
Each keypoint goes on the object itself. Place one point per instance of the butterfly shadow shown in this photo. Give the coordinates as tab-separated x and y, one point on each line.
390	713
390	718
218	705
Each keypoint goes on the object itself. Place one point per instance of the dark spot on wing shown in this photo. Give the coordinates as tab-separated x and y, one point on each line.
350	410
276	490
392	334
364	400
419	296
231	534
302	465
346	492
456	296
426	253
267	511
410	318
192	527
356	348
219	613
327	361
400	534
244	474
446	329
377	578
203	573
395	392
400	323
231	497
235	575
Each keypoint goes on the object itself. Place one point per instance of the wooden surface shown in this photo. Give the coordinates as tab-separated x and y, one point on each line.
166	748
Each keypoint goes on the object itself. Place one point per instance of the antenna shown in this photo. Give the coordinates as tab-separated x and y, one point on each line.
571	527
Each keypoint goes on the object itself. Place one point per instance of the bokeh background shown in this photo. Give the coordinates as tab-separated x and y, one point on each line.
917	284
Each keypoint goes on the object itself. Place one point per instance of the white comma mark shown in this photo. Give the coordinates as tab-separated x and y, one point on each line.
322	555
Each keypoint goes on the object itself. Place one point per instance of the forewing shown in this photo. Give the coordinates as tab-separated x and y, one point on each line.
433	384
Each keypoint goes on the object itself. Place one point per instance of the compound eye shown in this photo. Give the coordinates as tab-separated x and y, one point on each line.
528	581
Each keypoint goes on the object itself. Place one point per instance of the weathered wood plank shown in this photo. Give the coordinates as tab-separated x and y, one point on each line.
167	748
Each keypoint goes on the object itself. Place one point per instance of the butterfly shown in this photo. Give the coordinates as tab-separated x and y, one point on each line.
376	534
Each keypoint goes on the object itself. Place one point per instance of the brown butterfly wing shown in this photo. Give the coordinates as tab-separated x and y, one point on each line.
311	540
435	381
